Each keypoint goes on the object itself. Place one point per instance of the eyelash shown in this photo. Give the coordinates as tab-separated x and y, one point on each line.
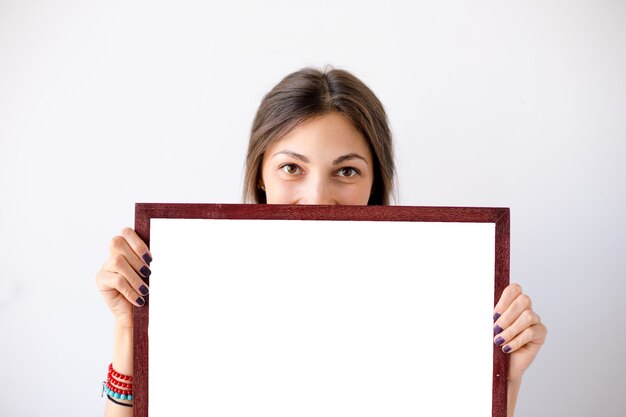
282	168
354	170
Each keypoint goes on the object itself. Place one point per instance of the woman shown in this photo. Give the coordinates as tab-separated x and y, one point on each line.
319	137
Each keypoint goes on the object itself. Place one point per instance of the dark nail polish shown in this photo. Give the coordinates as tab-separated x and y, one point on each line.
496	316
146	257
497	330
143	290
145	271
499	341
140	301
506	349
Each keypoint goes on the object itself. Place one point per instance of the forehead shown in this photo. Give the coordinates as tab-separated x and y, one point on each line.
330	134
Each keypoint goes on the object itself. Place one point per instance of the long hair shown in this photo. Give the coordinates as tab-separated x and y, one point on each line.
310	92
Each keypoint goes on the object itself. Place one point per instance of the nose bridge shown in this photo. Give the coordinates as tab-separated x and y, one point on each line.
318	190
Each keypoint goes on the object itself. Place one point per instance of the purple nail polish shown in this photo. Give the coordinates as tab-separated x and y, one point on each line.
145	271
146	257
140	301
143	290
496	316
506	349
499	341
497	330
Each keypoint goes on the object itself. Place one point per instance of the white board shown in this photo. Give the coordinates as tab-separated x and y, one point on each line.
310	318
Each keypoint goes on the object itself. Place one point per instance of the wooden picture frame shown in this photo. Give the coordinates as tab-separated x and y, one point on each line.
144	212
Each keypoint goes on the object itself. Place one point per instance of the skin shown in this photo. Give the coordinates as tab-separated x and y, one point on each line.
324	160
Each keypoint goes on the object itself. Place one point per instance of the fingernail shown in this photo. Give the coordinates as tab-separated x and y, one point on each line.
143	290
145	271
496	316
506	349
497	330
140	301
499	341
146	257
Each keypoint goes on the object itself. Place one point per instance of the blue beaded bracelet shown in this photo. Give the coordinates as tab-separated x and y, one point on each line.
112	394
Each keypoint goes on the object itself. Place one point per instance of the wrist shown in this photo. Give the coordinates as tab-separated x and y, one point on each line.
123	350
514	382
128	324
512	393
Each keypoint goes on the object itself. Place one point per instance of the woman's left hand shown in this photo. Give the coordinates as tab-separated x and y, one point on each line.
518	330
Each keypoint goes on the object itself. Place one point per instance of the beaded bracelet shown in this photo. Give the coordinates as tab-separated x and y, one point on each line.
118	375
115	388
116	392
118	384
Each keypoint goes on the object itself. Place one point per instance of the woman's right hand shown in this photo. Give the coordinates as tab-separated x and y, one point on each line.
120	280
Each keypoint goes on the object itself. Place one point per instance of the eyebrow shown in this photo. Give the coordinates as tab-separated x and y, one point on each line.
349	157
337	161
294	155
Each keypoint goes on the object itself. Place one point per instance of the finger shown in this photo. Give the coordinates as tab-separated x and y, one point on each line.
120	245
525	320
138	245
534	334
509	316
118	264
110	281
509	294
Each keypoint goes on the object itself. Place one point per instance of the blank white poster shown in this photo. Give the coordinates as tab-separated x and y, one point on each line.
320	318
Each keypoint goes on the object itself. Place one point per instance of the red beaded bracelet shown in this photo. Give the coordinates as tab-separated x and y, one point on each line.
119	384
118	375
115	388
126	392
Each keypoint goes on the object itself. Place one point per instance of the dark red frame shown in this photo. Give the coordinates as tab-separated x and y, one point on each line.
146	211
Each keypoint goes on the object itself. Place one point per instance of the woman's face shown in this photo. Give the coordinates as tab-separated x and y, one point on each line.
324	160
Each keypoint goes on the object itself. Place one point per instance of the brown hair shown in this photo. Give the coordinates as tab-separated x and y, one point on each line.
310	92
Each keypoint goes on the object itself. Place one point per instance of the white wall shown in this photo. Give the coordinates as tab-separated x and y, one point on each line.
104	104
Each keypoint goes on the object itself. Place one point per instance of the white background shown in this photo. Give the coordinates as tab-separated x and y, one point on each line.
515	104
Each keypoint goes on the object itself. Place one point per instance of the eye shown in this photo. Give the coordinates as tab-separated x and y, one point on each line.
291	169
347	172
